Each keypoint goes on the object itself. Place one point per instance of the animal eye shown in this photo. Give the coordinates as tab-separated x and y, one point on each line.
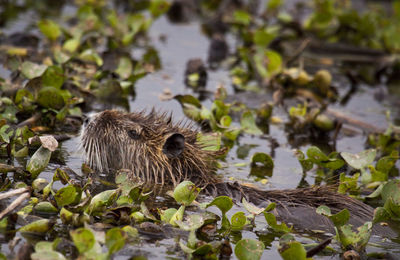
133	134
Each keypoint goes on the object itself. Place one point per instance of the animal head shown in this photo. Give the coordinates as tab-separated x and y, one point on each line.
150	146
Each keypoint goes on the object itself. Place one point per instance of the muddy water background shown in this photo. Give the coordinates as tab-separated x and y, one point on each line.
183	42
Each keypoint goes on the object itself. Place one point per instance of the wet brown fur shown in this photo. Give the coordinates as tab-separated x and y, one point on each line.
108	147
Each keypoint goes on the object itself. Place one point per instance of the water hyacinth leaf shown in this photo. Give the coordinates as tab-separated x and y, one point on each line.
348	183
125	67
271	206
91	55
188	99
262	37
131	232
53	77
186	192
50	97
71	45
306	164
39	226
360	160
340	218
391	190
102	200
203	250
242	17
39	161
83	239
61	175
66	216
39	184
249	249
324	210
5	134
274	62
115	240
385	164
192	222
209	142
264	159
47	255
224	203
271	220
274	4
178	216
356	240
166	215
50	29
377	176
158	7
191	106
254	210
248	123
137	217
316	155
66	195
293	250
32	70
238	220
380	215
45	208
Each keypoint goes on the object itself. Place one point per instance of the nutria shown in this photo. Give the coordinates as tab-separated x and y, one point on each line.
158	151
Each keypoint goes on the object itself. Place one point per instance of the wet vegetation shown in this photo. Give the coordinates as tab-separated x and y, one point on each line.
298	74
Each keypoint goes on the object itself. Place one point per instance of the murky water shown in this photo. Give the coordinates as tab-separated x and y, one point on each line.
183	42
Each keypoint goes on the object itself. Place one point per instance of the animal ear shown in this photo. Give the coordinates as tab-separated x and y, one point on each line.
174	145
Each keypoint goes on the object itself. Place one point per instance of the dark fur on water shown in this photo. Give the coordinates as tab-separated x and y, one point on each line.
157	151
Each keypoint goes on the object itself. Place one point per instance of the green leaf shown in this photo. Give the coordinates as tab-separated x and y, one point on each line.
125	67
248	123
115	240
192	222
39	226
242	17
306	164
66	195
264	159
102	200
251	208
293	250
50	97
178	216
166	215
238	220
50	29
38	162
380	215
158	7
47	255
224	203
186	192
385	164
209	142
91	55
32	70
271	220
262	37
360	160
53	77
72	45
249	249
83	239
45	208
